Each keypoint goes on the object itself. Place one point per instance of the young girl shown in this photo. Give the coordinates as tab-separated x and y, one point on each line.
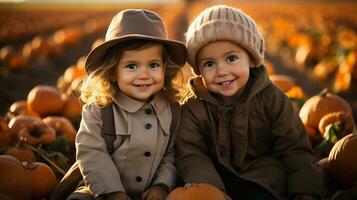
238	131
132	71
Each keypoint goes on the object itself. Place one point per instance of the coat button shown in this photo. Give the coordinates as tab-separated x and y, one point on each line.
138	179
147	154
148	126
148	111
254	115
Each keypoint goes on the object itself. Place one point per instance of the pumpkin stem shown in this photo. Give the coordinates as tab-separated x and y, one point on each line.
324	92
29	165
42	153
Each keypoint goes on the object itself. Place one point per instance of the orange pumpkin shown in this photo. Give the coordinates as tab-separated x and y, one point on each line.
343	162
42	179
45	100
5	135
14	184
72	108
21	152
284	82
21	108
72	73
196	192
334	117
62	126
32	130
319	105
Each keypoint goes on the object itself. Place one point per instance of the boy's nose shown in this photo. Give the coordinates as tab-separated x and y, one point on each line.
221	70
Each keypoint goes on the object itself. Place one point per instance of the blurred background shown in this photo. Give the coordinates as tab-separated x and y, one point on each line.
312	42
311	50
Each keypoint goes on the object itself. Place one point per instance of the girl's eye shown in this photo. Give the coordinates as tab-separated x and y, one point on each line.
208	64
154	65
231	58
131	66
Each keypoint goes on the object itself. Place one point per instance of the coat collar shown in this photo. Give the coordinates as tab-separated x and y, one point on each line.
258	80
159	103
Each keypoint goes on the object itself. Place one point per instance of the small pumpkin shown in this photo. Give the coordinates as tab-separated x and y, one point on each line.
284	82
62	126
42	178
72	108
344	118
343	162
33	130
14	184
21	108
72	73
196	192
45	100
319	105
21	152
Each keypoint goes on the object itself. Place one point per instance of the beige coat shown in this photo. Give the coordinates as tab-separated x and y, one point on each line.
260	139
144	153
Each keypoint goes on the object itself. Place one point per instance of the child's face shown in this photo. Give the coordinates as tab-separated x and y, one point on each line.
140	73
224	67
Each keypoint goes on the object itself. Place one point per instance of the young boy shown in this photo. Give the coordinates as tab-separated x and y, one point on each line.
238	131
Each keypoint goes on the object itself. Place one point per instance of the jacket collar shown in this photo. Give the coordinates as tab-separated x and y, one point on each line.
258	80
159	103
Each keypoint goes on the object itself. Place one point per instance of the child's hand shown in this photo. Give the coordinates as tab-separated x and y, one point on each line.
304	197
117	196
156	192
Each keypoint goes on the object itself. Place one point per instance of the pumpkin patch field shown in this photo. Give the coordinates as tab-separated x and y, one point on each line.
311	55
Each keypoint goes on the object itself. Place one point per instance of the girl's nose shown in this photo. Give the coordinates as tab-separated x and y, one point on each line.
143	73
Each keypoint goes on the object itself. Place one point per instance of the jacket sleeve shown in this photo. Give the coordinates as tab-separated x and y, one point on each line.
99	171
291	143
166	172
193	162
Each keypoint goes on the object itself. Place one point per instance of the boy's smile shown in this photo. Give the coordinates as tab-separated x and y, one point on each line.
140	73
224	67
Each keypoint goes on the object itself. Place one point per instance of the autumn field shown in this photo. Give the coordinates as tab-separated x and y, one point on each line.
311	50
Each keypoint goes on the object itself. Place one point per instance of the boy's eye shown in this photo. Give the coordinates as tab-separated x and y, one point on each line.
231	58
208	64
154	65
131	66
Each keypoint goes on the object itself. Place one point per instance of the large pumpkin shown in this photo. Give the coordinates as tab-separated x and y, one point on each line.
42	179
196	192
343	162
14	184
319	105
45	100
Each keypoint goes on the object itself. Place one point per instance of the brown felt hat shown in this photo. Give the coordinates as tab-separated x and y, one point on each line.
133	24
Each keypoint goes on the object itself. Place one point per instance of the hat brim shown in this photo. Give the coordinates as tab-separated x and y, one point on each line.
177	50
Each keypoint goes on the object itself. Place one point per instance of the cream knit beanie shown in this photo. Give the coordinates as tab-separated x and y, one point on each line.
224	23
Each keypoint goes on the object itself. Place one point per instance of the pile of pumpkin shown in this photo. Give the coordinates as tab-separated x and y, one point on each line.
37	142
331	129
332	133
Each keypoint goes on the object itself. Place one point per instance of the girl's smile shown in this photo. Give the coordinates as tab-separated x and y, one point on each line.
140	73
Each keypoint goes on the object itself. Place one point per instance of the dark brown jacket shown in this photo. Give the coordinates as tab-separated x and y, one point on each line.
260	139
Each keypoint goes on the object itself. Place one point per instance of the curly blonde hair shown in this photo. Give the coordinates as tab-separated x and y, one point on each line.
98	87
